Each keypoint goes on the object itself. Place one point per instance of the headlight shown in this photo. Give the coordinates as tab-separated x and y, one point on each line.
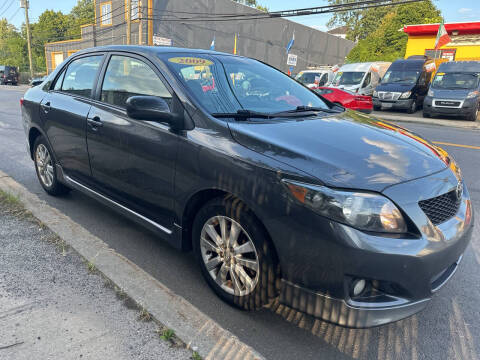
405	95
375	94
430	93
364	211
473	94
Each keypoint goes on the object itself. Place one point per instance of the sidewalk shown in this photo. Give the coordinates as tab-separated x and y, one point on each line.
54	306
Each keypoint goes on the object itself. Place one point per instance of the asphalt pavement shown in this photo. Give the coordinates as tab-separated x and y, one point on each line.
449	328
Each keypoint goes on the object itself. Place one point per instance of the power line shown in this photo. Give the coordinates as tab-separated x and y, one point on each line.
4	3
8	7
14	14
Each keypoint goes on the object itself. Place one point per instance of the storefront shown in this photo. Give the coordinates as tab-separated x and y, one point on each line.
464	44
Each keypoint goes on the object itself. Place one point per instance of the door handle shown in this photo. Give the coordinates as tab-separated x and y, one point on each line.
46	106
95	122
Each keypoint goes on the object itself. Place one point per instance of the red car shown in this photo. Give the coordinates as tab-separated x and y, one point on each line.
347	99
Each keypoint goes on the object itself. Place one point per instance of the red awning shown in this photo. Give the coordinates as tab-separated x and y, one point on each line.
463	28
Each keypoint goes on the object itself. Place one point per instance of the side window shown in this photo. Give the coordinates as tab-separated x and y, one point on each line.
80	75
367	80
323	80
421	80
58	83
126	77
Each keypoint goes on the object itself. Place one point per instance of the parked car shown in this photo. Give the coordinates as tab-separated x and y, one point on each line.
277	191
455	91
360	78
347	99
315	77
37	81
405	84
8	75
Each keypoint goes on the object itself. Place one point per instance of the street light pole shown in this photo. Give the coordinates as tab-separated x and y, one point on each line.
129	20
24	4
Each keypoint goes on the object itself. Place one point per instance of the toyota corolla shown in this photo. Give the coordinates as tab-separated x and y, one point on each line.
279	192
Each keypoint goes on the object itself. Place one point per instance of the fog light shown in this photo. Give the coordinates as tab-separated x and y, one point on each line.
358	286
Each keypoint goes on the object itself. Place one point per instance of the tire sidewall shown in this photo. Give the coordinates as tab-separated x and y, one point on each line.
268	283
56	188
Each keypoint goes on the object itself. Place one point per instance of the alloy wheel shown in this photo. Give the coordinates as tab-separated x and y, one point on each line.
44	164
229	255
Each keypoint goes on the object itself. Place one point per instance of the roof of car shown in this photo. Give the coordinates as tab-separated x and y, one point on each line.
148	50
460	66
360	66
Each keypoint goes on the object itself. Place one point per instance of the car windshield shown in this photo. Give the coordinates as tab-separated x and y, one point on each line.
455	81
348	78
401	76
307	77
227	84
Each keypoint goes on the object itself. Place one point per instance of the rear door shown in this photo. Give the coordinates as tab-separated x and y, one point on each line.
133	161
65	109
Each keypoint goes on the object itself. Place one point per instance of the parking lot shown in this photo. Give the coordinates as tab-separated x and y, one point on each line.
448	328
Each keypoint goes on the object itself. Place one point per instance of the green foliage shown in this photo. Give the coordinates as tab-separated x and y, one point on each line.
51	26
385	40
253	3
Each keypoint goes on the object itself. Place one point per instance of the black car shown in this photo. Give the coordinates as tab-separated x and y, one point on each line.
37	81
404	85
455	91
8	75
277	191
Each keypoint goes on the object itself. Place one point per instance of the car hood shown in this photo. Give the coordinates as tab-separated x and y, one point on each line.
395	87
347	150
352	88
458	94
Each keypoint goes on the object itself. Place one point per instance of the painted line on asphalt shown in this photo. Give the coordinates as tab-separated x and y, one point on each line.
457	145
192	326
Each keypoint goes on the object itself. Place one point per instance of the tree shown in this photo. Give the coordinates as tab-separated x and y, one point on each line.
81	14
13	48
253	3
387	42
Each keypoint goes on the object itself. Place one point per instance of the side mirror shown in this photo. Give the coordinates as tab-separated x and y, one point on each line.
152	108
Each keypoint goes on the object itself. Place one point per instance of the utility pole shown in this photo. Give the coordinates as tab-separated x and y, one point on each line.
129	20
24	4
140	23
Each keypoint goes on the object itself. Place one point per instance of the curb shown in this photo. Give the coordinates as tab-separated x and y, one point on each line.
475	125
191	326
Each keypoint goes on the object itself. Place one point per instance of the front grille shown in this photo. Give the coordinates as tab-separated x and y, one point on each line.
441	208
448	103
386	95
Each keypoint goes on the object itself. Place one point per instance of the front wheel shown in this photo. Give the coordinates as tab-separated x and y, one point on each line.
235	254
45	168
412	107
474	114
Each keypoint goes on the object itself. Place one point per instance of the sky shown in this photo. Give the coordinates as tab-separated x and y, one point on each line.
453	11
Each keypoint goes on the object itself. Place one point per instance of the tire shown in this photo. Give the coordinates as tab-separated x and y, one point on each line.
426	115
474	115
256	251
412	107
45	168
377	108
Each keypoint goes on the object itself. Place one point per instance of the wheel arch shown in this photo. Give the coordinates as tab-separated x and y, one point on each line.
198	200
33	134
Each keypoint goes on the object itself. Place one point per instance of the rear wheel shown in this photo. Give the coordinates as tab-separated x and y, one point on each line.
425	114
377	108
235	255
45	168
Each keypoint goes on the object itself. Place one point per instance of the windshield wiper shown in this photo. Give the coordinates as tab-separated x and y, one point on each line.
243	115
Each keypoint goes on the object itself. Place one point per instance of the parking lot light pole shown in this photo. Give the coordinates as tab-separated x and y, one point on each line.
24	4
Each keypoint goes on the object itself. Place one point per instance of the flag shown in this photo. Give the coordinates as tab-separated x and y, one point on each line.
290	44
212	45
235	46
442	36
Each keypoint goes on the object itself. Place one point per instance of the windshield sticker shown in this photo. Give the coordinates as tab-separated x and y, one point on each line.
190	61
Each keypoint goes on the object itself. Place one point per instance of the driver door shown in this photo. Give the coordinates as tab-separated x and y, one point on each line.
132	161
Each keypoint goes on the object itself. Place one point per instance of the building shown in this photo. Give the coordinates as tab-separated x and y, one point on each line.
464	44
195	24
341	32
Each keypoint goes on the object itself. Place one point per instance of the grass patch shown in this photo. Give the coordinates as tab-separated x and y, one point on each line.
196	356
144	315
91	267
10	199
166	334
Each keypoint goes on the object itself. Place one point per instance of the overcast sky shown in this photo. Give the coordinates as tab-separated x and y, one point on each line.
453	11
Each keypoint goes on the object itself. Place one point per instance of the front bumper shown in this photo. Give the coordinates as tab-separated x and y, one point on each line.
467	107
405	271
398	104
